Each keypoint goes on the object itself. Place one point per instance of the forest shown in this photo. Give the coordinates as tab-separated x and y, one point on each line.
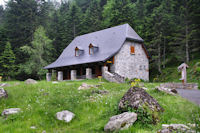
33	33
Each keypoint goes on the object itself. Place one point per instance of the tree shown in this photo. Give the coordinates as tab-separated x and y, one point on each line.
92	18
118	12
40	54
1	14
74	18
7	62
20	23
186	29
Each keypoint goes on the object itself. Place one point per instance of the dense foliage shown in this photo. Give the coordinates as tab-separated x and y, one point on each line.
39	53
170	28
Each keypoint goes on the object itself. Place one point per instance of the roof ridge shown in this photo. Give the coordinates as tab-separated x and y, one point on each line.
103	29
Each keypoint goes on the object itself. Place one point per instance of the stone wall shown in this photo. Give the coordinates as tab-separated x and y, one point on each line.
113	77
180	85
131	65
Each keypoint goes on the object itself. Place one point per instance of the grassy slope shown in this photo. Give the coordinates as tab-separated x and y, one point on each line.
92	110
171	74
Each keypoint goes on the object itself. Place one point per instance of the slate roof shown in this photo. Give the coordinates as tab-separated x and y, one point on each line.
109	42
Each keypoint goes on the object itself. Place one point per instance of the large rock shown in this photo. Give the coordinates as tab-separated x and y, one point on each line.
10	111
172	128
137	97
4	85
180	85
166	90
3	93
102	92
30	81
65	115
142	103
120	122
85	86
54	82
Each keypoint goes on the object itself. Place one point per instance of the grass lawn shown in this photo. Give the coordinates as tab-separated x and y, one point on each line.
40	102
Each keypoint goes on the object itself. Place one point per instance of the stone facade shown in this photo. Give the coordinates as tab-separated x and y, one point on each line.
131	65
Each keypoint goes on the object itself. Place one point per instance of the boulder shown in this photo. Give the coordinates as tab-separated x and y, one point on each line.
166	90
142	103
144	88
4	85
3	93
33	127
17	84
181	128
30	81
85	86
102	92
10	111
65	115
54	82
120	122
137	97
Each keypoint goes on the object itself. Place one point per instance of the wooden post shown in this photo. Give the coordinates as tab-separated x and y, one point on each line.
183	68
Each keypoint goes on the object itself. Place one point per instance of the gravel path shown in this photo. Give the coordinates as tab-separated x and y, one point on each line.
191	95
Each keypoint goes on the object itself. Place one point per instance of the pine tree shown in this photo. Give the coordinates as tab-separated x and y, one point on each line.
186	30
92	18
118	12
74	18
7	62
20	22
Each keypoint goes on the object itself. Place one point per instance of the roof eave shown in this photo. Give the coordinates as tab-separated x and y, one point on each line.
136	40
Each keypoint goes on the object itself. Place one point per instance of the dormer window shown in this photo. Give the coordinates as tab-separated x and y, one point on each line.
78	51
92	48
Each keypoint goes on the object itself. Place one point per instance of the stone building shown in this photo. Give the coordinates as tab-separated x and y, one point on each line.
114	53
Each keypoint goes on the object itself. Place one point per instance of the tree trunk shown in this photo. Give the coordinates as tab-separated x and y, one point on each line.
159	57
186	35
164	52
74	30
186	43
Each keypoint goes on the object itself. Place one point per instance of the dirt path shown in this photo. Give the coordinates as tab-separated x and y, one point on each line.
191	95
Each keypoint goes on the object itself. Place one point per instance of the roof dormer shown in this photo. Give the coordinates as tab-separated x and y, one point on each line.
92	48
78	51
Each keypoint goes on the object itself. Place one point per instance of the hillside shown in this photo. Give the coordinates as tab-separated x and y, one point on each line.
40	103
171	73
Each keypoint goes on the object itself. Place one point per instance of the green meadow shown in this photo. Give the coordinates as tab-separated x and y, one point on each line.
40	102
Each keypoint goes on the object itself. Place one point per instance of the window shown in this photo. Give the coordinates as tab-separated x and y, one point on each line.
76	51
79	51
91	49
132	49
